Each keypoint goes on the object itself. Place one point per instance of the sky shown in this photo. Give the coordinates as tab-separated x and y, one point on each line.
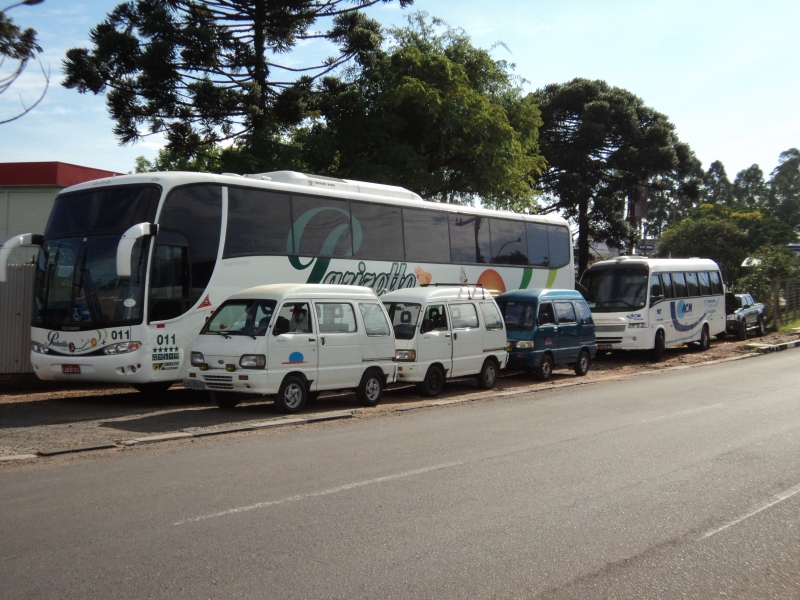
725	72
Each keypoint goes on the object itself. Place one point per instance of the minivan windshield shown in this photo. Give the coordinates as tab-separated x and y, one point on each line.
518	316
616	288
241	317
404	317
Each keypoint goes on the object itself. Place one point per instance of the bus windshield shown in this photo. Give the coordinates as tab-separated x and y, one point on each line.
76	276
616	288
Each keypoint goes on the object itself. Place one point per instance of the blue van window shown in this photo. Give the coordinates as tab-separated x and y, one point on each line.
565	312
546	314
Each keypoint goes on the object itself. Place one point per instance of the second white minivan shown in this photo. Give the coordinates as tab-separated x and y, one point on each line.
446	331
294	341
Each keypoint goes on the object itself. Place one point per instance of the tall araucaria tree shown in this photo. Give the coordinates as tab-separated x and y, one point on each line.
207	71
604	148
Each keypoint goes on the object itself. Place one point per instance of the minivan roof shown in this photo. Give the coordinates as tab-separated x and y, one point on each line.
428	293
537	295
279	291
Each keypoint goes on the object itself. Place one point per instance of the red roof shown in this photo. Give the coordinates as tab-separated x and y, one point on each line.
49	173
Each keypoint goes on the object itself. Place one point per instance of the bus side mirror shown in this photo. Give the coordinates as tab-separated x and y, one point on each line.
26	239
126	243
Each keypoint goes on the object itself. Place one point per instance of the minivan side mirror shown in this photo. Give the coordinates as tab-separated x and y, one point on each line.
281	326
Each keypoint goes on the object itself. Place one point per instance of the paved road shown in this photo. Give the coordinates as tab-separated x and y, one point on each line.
681	484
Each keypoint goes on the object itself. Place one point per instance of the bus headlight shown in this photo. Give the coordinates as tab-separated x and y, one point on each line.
637	325
253	361
405	355
122	348
197	359
40	348
524	345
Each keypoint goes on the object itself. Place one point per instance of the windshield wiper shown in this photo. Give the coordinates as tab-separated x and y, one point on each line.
240	332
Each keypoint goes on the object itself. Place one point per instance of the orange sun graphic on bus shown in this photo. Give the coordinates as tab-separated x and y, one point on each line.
492	281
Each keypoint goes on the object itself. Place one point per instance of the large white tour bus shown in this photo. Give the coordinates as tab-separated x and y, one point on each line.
131	267
649	303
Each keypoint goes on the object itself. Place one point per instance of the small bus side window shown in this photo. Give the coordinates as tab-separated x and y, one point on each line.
656	293
667	279
679	281
691	284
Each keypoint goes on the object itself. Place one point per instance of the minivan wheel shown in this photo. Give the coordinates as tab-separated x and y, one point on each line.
225	400
370	389
659	346
488	375
433	382
583	364
291	395
544	370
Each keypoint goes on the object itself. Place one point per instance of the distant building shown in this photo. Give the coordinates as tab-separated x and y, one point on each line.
27	193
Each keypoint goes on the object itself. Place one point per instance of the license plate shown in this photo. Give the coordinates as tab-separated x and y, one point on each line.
71	369
604	346
192	384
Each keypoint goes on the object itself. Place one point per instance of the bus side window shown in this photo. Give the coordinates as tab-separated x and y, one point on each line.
656	293
705	283
679	281
667	288
691	284
716	283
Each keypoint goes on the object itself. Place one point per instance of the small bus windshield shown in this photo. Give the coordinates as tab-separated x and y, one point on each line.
616	288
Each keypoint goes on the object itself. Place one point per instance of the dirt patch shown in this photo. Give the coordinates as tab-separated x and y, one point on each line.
46	420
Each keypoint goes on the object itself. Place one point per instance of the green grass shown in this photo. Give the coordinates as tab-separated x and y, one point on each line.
789	326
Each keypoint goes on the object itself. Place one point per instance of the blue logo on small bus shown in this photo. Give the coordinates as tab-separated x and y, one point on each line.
684	308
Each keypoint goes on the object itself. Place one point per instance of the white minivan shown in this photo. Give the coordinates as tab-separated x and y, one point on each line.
294	341
446	331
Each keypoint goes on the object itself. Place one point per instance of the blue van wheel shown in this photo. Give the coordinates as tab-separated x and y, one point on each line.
583	363
544	370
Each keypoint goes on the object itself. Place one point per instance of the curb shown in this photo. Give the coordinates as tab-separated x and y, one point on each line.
758	350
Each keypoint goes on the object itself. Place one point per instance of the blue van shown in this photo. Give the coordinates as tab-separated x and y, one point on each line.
547	328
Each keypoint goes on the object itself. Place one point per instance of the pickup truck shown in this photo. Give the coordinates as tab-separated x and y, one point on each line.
743	314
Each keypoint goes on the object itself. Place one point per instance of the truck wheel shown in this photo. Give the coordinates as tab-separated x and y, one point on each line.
225	400
291	395
544	370
370	389
488	375
659	346
583	364
433	382
762	329
741	332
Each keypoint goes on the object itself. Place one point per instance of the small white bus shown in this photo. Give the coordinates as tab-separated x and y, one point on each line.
649	303
131	267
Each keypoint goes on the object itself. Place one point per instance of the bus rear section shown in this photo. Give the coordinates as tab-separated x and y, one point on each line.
652	304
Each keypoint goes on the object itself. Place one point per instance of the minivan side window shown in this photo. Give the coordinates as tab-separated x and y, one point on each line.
546	314
464	316
335	317
584	314
374	319
436	318
295	317
565	312
491	316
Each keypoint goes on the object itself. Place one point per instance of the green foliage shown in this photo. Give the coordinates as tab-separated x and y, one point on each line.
784	189
776	263
20	46
432	113
749	189
717	188
604	148
206	161
206	71
725	235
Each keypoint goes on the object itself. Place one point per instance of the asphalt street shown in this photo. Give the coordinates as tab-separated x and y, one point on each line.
677	484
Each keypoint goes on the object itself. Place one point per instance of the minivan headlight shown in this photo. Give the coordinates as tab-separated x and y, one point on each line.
122	348
253	361
524	345
197	359
405	355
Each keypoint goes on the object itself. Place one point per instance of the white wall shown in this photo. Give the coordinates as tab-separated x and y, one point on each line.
25	209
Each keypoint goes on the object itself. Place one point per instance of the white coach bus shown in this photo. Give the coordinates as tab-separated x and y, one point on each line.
131	267
648	303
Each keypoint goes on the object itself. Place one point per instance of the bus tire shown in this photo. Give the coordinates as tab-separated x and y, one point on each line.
544	370
741	332
432	385
583	363
370	390
705	339
488	375
155	387
659	346
291	395
225	400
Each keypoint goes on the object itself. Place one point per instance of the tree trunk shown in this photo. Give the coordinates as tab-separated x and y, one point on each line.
583	235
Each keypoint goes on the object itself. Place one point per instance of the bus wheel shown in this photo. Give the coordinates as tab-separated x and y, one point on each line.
156	387
433	382
583	364
488	375
544	370
370	389
705	340
291	395
659	347
225	401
